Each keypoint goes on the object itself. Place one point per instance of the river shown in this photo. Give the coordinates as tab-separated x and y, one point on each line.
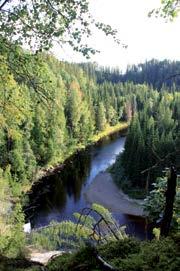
58	196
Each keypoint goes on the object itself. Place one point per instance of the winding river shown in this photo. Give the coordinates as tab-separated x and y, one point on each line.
58	196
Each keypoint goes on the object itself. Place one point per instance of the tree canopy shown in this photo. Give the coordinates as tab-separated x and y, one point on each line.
40	23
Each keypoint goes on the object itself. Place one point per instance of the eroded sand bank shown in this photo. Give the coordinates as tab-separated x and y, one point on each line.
105	192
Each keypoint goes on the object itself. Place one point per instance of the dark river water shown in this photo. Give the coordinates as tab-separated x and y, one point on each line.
58	196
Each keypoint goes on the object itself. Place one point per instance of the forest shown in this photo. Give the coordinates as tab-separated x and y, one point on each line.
158	74
52	109
41	126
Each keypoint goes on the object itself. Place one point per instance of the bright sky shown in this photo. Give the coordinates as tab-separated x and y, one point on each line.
146	37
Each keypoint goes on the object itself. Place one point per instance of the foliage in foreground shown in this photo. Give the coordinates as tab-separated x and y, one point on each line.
12	237
18	264
128	254
95	225
155	202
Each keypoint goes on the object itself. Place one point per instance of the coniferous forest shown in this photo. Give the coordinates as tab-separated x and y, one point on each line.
42	124
52	109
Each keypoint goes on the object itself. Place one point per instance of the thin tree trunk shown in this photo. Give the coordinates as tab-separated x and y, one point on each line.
170	196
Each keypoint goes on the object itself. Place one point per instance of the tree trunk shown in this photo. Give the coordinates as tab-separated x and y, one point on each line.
170	196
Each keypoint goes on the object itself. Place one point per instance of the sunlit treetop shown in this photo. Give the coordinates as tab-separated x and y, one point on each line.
40	23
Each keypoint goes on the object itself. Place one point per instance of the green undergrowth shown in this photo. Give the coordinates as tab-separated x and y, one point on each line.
18	264
125	255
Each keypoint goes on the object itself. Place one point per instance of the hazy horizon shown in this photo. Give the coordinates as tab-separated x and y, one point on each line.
147	38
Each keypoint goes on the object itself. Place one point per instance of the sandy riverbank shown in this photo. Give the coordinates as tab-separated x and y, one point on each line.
105	192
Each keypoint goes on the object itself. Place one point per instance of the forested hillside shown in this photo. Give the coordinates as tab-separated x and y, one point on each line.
49	109
153	134
163	74
154	112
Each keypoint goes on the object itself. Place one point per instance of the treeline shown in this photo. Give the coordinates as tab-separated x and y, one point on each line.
158	74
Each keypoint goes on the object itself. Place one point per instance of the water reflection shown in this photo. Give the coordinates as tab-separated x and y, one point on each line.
57	197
